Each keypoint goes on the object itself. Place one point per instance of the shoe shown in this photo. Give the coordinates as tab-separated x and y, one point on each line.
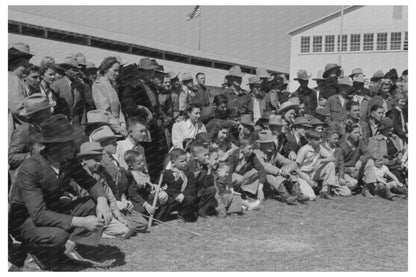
285	196
253	205
386	193
72	254
324	195
299	195
302	198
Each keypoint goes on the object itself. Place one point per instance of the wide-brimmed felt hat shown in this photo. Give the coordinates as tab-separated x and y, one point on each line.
103	133
97	117
235	71
246	119
69	63
14	54
319	76
323	111
262	73
344	81
287	106
55	129
276	120
302	121
254	80
186	76
329	67
34	103
378	75
266	137
172	75
148	64
302	75
80	58
90	148
316	122
160	68
23	47
356	71
387	123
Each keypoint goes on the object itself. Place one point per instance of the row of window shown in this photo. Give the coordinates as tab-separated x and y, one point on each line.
370	42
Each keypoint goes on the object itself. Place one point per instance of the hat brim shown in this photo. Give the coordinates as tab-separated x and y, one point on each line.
303	124
304	79
39	138
248	123
325	75
67	66
234	75
92	123
109	137
318	79
24	113
291	106
91	153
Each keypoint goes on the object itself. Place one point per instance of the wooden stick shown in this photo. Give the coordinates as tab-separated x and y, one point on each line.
155	198
161	222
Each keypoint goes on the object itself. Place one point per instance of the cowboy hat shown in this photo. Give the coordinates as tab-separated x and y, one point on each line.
90	66
103	133
302	75
287	106
246	120
302	121
323	111
23	47
329	67
265	117
56	129
378	75
172	75
254	80
344	81
34	103
266	137
14	54
90	148
70	63
276	120
80	58
319	76
356	71
186	76
235	70
97	117
262	73
148	64
316	122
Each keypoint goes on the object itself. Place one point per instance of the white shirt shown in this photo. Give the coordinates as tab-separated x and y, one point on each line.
256	109
185	129
122	147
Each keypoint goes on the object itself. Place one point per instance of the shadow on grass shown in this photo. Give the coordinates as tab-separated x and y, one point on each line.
106	256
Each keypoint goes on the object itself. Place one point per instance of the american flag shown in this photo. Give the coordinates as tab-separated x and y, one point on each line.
195	13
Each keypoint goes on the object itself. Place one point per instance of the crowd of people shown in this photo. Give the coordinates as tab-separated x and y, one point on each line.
95	152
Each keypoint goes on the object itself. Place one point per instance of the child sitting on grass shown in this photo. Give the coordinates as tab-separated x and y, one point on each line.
229	201
384	188
141	191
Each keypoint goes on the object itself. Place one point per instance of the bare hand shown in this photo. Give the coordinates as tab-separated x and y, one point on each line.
149	209
91	223
180	198
342	181
103	210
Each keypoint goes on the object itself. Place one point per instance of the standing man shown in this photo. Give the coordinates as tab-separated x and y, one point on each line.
306	95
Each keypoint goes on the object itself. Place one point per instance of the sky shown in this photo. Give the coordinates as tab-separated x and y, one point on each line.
253	33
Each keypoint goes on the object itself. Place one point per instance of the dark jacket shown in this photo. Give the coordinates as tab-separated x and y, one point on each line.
352	156
174	186
394	114
39	191
239	104
337	110
307	96
21	144
251	162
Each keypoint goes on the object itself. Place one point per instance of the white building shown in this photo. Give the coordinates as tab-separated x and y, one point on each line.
373	38
60	39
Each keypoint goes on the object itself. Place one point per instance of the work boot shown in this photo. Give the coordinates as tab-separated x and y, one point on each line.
299	195
286	197
400	190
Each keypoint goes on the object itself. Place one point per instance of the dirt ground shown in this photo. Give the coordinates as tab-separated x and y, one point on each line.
343	234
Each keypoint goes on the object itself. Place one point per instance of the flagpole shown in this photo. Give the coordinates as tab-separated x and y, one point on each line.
340	35
199	31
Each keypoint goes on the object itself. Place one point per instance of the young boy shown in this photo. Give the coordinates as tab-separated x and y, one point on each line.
229	202
180	188
383	187
141	191
91	154
248	174
311	169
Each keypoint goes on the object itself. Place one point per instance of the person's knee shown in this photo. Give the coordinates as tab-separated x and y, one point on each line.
55	238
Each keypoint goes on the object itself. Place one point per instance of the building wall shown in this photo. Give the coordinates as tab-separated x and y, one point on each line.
60	50
368	19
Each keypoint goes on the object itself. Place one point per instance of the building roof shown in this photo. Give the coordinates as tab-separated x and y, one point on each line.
323	20
127	42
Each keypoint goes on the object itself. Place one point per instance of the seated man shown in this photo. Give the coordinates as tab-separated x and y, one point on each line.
47	228
296	138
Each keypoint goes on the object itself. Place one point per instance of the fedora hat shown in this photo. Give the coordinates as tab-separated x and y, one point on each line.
14	54
129	71
246	120
323	111
302	121
80	58
186	76
172	75
103	133
319	75
344	81
262	73
148	64
387	123
316	122
34	103
97	117
329	67
23	47
90	66
287	106
356	71
302	75
254	80
89	148
69	63
235	70
276	120
378	75
266	137
55	129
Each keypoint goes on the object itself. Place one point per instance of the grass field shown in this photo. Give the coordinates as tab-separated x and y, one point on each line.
343	234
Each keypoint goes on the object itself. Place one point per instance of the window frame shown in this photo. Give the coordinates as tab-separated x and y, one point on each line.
355	46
